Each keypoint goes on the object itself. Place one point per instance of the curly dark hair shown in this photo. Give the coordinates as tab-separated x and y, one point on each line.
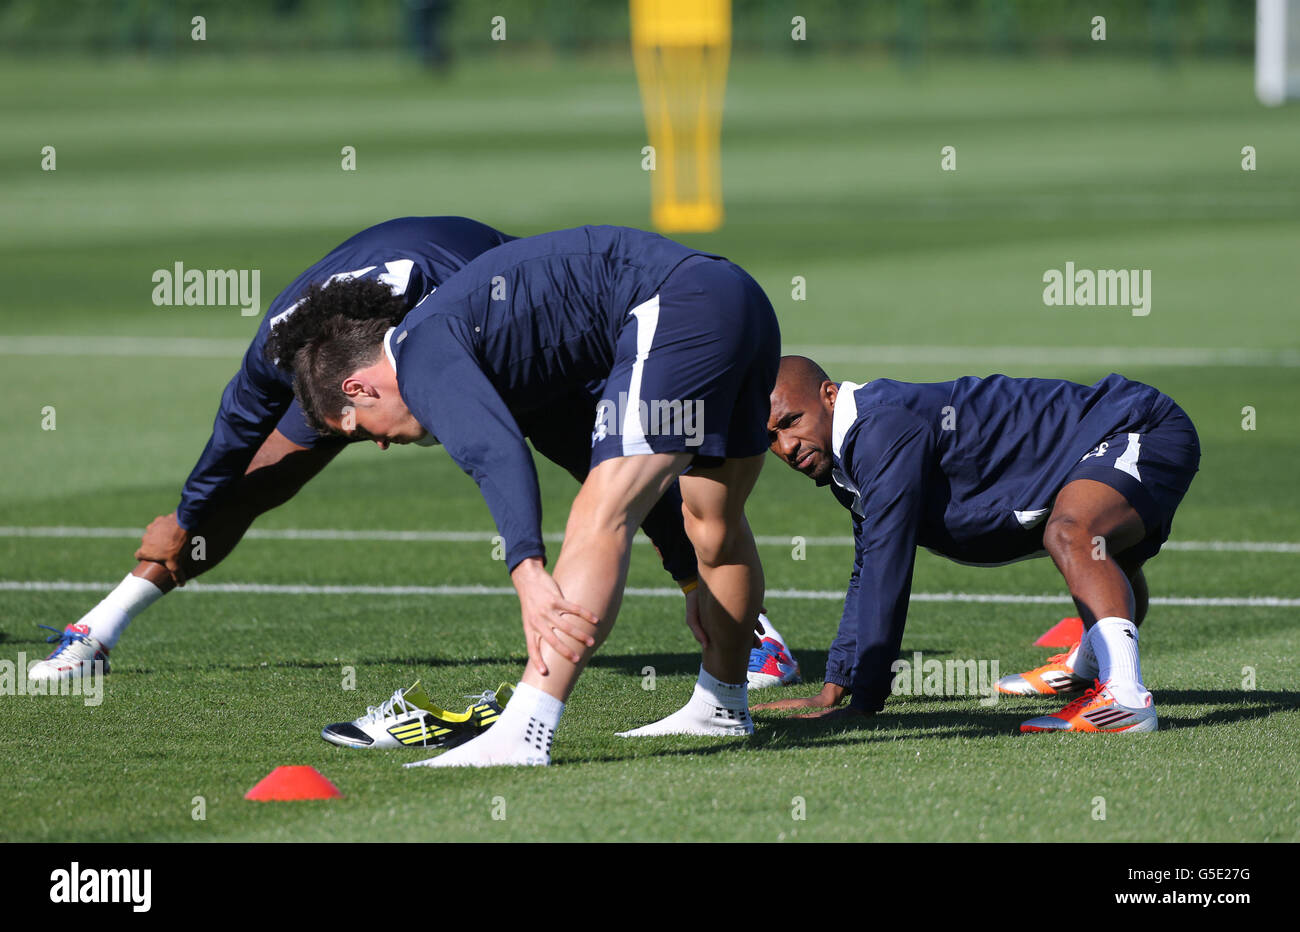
335	328
358	299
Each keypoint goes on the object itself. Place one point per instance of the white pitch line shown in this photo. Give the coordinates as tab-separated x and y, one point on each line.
869	355
1091	356
825	595
159	347
1233	546
284	534
487	537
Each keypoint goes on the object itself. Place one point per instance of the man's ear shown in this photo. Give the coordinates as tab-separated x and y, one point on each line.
354	387
830	391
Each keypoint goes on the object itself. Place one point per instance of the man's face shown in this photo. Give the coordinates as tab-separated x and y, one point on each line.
383	420
799	429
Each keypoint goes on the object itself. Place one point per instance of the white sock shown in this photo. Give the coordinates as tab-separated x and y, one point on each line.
109	618
716	708
521	736
1115	642
1083	660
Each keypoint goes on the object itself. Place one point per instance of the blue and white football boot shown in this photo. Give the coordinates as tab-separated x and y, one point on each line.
74	657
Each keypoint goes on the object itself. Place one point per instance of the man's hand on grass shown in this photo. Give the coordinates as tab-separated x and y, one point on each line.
830	696
847	712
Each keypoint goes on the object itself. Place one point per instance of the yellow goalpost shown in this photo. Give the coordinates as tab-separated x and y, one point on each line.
681	49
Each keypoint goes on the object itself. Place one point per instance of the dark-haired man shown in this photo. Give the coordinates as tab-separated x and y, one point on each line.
683	347
262	451
987	471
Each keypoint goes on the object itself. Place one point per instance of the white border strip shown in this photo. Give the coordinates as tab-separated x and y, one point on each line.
632	430
486	537
824	595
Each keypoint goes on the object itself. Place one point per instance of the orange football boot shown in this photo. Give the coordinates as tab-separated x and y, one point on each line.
1096	710
1053	678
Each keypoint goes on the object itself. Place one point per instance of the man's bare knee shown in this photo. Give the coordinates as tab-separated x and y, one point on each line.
714	540
1063	534
618	494
713	510
1087	511
602	520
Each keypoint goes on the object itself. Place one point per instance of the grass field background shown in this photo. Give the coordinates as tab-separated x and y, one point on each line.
831	172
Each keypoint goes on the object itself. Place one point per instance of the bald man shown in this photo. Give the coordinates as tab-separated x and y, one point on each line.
990	471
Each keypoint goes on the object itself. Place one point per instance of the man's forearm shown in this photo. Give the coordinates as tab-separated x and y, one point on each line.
251	406
278	470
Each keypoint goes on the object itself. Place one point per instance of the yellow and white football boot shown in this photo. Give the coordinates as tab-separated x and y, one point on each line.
410	719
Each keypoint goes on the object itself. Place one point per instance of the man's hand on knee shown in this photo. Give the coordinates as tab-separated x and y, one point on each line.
163	542
549	617
697	627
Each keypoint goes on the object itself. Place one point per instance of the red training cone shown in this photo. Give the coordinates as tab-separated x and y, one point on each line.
1065	633
293	783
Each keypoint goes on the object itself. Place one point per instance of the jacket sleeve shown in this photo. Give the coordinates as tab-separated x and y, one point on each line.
444	386
841	659
252	404
887	457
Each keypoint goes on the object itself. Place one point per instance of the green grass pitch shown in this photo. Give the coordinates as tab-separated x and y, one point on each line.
831	172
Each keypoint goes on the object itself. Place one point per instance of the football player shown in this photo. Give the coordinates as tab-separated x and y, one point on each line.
987	471
682	349
262	450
